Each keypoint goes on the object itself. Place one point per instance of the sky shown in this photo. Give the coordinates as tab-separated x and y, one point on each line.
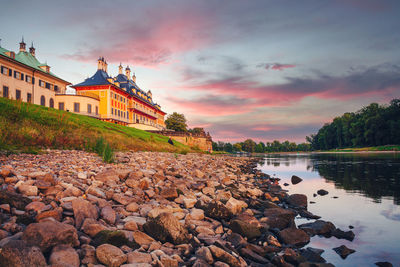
260	69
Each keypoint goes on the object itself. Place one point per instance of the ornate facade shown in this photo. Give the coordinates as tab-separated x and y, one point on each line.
121	100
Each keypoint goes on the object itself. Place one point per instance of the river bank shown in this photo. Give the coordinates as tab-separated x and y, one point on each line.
151	209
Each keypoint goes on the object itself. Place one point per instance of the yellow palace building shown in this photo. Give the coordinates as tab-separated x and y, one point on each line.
116	100
121	100
23	77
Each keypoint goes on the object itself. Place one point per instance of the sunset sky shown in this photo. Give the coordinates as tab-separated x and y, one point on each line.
241	69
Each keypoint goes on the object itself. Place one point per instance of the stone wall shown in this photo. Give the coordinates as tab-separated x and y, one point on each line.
202	141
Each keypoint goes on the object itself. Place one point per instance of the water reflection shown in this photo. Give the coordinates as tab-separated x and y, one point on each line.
373	175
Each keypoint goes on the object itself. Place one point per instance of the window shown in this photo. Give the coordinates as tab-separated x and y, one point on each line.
18	94
5	91
4	70
56	88
29	98
28	79
112	111
127	115
61	106
97	110
17	75
22	76
89	108
41	83
119	113
76	107
51	103
48	86
33	80
42	100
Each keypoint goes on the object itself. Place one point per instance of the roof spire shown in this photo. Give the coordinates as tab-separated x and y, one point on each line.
32	50
22	45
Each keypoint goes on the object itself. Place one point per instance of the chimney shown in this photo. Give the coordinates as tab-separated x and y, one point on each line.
22	45
32	50
120	69
128	73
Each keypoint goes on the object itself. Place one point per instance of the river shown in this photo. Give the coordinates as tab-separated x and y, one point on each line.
364	192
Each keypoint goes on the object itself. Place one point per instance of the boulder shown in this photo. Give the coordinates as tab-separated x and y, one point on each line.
338	233
83	209
189	202
217	210
139	257
108	175
245	229
166	228
18	253
343	251
108	214
383	264
294	236
296	179
278	218
14	200
205	254
116	238
318	227
132	207
169	193
235	206
110	255
28	190
49	233
249	254
92	227
141	238
322	192
64	256
224	256
297	200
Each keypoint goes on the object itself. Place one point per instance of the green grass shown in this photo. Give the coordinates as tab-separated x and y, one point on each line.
29	128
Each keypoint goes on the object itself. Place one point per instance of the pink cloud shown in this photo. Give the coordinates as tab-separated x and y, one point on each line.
278	66
149	41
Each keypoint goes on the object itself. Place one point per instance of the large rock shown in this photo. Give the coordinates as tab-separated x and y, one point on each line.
49	233
169	193
338	233
166	228
14	200
108	175
322	192
278	218
110	255
296	179
318	227
294	236
18	253
141	238
245	229
108	214
224	256
235	206
92	227
343	251
217	210
64	256
139	257
28	190
83	209
298	200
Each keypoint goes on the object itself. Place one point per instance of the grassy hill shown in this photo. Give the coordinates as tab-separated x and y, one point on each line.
29	128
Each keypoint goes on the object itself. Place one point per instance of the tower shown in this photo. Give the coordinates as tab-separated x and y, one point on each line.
120	69
22	45
128	72
32	50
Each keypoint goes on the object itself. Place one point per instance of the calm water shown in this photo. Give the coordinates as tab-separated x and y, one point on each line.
368	191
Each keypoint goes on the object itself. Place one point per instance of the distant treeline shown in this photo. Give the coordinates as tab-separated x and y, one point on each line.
374	125
250	146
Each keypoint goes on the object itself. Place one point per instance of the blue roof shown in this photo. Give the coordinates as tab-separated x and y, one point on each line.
99	78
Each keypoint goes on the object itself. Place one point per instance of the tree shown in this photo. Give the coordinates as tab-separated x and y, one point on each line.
228	147
197	130
237	147
249	145
176	122
260	148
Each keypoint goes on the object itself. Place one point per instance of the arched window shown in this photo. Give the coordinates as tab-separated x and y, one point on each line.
42	101
51	103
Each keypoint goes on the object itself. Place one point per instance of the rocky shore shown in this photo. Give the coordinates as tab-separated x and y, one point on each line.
68	208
